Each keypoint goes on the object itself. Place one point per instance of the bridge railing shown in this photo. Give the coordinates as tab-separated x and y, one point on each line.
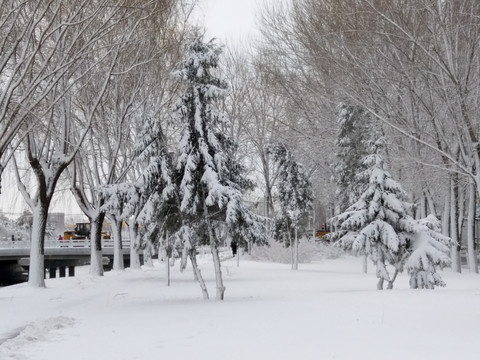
53	243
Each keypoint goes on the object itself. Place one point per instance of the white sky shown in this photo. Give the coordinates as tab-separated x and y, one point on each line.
229	20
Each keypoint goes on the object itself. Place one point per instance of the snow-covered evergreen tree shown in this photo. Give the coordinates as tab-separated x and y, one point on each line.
429	249
379	224
294	193
211	181
355	130
151	200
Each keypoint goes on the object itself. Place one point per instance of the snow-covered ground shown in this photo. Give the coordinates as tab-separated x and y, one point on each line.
325	310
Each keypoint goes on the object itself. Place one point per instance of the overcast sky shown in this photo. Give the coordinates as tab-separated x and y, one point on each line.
229	20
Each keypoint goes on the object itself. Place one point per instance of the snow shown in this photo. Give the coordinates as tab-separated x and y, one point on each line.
327	309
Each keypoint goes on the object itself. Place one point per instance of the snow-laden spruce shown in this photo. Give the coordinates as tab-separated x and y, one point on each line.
355	129
429	250
295	198
211	181
380	225
150	200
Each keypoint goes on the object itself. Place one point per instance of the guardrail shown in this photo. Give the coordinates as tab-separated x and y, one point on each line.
50	243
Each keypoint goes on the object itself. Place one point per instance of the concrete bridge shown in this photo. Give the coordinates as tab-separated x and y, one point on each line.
60	255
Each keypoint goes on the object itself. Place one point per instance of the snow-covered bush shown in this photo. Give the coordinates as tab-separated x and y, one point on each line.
308	251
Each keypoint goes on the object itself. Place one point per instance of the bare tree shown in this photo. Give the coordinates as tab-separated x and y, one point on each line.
82	44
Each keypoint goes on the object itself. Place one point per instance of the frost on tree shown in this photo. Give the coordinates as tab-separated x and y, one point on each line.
157	210
151	199
429	251
294	195
380	225
355	129
211	181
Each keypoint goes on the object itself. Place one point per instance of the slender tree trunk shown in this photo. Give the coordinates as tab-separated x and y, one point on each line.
380	284
36	273
198	274
455	255
472	256
446	216
295	253
96	263
168	253
392	280
134	256
118	263
216	259
238	255
148	253
218	272
365	264
423	206
167	268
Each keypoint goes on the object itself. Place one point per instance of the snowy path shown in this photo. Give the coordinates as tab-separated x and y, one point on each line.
326	310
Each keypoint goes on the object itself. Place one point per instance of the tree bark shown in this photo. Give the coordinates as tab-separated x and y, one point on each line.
36	277
198	274
472	256
134	256
218	272
455	254
118	263
295	252
96	261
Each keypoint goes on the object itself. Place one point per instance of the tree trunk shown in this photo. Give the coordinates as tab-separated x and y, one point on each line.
118	263
390	283
238	256
168	253
167	268
148	253
134	256
455	255
218	272
365	264
198	274
216	259
380	284
446	216
295	252
472	256
96	263
36	277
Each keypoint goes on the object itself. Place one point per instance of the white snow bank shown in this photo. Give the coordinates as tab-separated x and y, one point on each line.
325	310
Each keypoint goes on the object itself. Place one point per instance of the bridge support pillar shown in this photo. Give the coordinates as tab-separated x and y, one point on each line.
61	271
53	272
71	271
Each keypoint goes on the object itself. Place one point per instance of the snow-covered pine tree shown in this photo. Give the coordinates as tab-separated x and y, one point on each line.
429	249
294	193
354	134
151	200
211	181
379	223
159	201
355	130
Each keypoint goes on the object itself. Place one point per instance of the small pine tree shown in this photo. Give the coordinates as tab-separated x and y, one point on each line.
295	196
379	223
429	249
211	181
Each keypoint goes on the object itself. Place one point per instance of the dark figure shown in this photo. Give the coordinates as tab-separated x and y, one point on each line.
233	245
